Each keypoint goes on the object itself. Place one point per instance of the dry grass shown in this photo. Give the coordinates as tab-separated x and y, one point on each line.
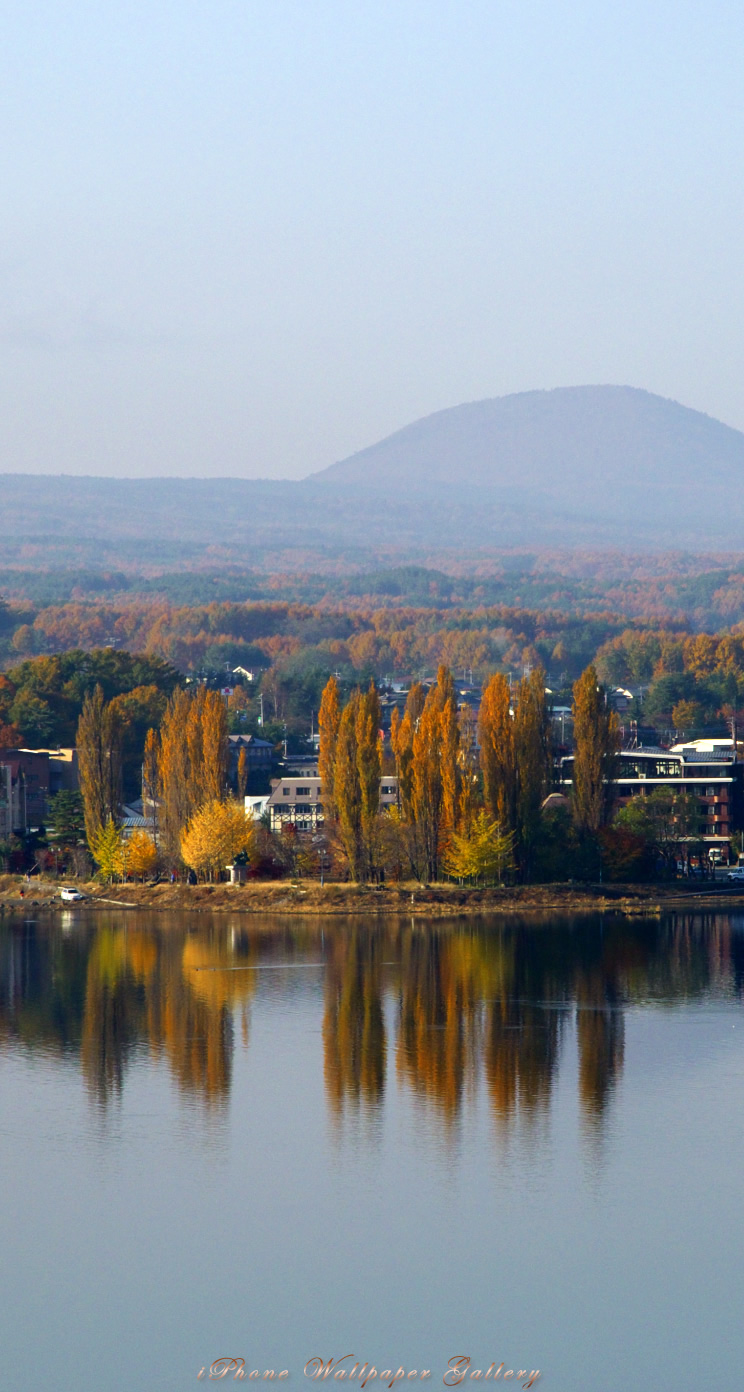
430	901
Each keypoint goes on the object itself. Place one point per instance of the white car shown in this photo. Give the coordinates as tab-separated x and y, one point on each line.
737	874
70	896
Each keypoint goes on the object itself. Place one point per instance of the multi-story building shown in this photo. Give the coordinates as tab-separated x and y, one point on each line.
30	772
297	801
10	802
707	769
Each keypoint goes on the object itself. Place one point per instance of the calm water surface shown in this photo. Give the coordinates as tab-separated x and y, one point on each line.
278	1139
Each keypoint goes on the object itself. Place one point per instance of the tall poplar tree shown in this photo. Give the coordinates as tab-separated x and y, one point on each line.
369	766
434	789
173	773
596	744
467	761
242	775
214	746
150	794
99	738
329	717
192	766
497	754
347	790
533	763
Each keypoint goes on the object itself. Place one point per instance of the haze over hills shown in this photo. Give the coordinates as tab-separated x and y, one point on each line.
579	466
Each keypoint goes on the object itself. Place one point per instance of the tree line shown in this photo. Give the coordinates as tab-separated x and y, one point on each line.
469	797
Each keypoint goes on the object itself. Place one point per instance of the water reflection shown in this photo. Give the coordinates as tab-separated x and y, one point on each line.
354	1041
467	1004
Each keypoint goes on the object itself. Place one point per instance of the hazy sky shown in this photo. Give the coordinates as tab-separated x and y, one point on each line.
251	236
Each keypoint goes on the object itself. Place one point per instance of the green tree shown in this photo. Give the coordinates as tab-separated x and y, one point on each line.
67	818
34	717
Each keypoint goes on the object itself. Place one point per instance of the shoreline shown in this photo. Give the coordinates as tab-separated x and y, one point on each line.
411	900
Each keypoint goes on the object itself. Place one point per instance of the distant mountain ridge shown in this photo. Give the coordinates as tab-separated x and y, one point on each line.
597	466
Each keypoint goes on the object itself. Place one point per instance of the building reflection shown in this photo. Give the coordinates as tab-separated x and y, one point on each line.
467	1010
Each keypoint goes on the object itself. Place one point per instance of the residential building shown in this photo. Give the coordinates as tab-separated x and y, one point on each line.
259	754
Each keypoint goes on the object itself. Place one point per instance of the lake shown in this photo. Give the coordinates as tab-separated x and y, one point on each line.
515	1142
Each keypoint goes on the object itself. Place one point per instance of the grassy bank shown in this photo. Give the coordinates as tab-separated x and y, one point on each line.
410	899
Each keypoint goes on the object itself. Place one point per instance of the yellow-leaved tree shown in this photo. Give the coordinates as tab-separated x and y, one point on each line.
140	854
107	847
192	764
483	853
215	835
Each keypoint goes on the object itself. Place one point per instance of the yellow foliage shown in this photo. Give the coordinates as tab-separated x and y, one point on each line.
216	834
484	852
140	854
108	849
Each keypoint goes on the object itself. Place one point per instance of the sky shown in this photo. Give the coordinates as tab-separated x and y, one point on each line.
249	237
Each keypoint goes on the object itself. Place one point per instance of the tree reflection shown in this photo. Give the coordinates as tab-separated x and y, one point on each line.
478	1007
354	1044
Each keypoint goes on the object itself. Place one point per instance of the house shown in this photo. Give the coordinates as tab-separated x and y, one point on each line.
134	818
259	754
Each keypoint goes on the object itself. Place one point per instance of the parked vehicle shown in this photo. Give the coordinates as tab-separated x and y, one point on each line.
70	895
737	874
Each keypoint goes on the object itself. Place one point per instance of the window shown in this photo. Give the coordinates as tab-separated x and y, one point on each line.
285	792
303	807
302	792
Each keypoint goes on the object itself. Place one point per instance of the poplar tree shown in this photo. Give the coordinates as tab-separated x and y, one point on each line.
497	754
214	741
329	717
466	758
174	788
451	771
242	772
533	763
99	763
434	792
596	744
192	766
369	767
150	779
347	790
